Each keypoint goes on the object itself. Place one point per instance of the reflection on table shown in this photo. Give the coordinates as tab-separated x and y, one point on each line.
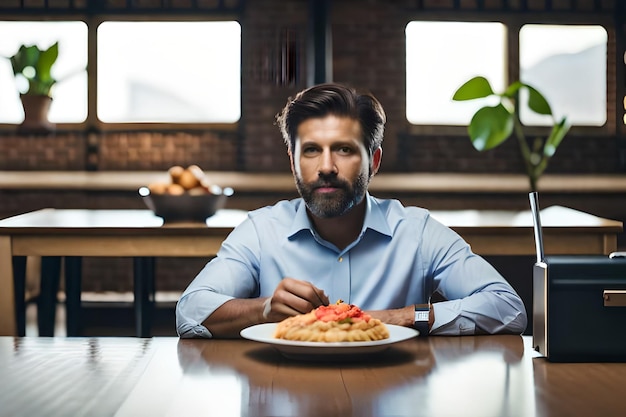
482	376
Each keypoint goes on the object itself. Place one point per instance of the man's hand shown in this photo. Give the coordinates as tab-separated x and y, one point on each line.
290	297
293	297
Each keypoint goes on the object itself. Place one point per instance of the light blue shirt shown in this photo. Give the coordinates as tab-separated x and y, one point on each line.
401	256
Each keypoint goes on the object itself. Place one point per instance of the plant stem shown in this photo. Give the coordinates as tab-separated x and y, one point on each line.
526	153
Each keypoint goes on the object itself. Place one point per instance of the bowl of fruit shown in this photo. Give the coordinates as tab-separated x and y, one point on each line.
189	196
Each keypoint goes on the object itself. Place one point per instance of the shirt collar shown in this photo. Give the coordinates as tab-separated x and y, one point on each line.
301	220
374	218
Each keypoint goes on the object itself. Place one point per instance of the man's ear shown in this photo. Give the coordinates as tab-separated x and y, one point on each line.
376	159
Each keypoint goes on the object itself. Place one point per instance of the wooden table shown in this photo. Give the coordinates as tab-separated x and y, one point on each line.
482	376
565	231
138	233
114	233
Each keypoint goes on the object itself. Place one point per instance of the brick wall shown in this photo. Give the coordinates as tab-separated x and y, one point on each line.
368	53
125	151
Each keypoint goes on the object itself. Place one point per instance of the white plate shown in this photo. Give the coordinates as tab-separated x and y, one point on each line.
264	333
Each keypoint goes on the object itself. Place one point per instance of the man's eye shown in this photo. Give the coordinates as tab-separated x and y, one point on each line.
345	150
309	150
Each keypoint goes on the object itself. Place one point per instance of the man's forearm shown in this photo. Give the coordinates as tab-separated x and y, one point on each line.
233	316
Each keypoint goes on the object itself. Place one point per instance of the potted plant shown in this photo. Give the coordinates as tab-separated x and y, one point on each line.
35	66
491	126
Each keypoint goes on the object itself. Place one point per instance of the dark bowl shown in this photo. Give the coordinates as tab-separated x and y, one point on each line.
185	207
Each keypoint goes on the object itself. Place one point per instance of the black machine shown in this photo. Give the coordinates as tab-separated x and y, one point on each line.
579	304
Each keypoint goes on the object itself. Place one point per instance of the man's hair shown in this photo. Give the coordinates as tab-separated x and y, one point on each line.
338	100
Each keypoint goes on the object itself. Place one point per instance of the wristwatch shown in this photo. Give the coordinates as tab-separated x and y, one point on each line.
422	316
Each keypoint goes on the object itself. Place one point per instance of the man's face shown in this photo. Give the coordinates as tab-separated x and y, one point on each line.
331	165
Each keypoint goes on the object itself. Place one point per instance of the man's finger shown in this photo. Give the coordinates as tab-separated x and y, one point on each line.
321	296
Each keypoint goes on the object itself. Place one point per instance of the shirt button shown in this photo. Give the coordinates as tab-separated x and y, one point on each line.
340	259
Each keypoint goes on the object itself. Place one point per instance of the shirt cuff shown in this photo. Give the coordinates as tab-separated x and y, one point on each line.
448	322
193	309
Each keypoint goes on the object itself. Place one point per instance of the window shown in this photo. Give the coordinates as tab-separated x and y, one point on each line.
70	92
567	63
440	57
182	72
163	71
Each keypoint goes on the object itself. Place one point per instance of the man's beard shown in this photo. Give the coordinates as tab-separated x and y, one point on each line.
336	203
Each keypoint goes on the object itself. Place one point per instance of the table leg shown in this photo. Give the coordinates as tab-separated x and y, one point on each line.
46	307
19	279
144	294
7	292
73	269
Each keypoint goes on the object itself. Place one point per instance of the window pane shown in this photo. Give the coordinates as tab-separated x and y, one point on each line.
185	72
70	92
440	57
567	64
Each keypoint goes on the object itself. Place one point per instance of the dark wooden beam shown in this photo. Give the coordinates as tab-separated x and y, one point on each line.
319	43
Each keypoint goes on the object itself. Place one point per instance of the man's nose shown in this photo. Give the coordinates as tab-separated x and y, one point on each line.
327	163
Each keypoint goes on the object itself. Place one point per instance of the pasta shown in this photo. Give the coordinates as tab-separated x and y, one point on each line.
334	323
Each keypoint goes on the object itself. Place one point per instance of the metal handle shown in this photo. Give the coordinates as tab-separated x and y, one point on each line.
614	298
534	209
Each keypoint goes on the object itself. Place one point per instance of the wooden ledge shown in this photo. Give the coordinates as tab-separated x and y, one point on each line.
499	183
259	182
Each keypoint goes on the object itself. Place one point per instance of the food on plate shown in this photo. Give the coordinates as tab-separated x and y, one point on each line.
191	180
338	322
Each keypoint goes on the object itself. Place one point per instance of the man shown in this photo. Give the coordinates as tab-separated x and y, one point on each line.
339	242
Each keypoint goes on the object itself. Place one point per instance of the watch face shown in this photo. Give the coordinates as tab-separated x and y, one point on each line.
421	315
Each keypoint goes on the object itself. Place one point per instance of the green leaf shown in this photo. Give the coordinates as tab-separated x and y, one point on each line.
490	126
36	66
477	87
537	102
26	56
47	59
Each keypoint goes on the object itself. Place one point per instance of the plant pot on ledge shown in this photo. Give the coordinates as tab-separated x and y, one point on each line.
36	109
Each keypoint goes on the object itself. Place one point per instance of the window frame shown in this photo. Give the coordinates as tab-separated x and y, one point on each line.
513	23
91	122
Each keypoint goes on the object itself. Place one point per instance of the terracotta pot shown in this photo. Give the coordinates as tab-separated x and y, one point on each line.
36	109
